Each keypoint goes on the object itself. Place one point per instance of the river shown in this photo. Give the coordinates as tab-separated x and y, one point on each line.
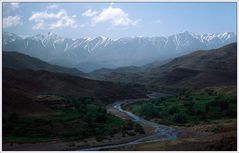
160	133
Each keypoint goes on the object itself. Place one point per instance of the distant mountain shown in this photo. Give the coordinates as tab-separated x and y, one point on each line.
21	61
200	69
91	54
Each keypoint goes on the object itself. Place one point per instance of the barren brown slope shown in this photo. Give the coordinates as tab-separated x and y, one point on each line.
197	70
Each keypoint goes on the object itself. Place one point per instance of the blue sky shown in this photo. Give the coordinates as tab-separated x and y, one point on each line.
117	20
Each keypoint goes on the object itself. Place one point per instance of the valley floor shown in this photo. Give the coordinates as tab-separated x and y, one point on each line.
214	135
219	135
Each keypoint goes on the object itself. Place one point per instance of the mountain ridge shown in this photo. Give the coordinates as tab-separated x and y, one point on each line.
17	60
102	52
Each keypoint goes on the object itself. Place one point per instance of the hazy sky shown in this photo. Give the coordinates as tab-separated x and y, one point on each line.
116	20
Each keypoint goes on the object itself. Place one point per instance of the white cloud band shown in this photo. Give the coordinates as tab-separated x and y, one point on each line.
45	20
113	15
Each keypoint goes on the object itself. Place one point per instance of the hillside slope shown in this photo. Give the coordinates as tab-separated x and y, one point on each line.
44	82
217	67
17	60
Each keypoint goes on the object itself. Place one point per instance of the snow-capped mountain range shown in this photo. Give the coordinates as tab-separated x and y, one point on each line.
93	53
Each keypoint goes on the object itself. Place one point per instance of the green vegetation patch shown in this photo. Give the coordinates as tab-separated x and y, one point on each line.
86	118
190	108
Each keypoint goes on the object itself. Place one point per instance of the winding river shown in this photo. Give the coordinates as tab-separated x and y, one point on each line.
160	133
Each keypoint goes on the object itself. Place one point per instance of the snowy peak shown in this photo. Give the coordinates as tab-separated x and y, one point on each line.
221	36
49	36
